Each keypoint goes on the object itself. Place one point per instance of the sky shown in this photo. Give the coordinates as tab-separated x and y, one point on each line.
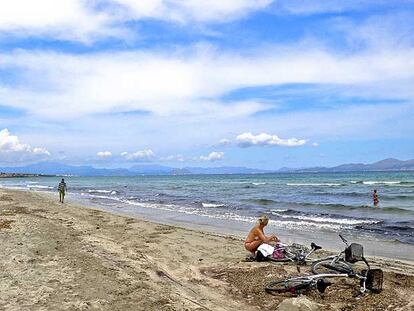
257	83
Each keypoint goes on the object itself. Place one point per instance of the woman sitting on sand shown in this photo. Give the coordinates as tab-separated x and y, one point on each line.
256	236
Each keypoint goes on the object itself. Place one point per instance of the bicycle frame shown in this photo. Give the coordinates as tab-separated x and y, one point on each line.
340	255
313	279
301	256
336	258
362	290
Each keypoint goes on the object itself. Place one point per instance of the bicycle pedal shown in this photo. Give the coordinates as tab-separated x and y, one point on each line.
360	295
322	285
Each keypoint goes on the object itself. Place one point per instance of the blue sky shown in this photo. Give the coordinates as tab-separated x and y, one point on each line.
260	83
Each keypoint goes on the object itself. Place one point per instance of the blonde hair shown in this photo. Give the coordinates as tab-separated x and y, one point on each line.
263	219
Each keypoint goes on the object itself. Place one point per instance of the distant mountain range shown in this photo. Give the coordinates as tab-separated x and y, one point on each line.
53	168
389	164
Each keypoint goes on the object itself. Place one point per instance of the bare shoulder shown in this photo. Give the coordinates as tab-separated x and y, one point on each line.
253	230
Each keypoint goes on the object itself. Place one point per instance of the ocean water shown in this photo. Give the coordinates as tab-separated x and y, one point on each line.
327	202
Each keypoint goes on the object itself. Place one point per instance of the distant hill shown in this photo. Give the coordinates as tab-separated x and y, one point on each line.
16	175
225	170
389	164
53	168
151	170
165	170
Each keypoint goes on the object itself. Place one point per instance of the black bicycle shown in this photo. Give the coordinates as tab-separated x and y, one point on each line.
337	267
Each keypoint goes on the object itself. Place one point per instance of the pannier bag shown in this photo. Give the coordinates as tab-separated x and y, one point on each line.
279	252
375	278
354	253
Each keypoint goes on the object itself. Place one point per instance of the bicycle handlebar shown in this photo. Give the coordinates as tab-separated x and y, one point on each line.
343	239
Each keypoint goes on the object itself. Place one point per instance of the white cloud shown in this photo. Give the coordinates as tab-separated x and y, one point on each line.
160	84
306	7
141	155
40	150
170	87
85	21
224	142
315	144
173	158
75	20
192	10
213	156
167	85
248	140
104	154
12	150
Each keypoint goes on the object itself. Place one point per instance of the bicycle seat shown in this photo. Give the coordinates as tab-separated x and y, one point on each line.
315	247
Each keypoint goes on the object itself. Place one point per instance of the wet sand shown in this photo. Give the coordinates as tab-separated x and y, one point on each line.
71	257
375	247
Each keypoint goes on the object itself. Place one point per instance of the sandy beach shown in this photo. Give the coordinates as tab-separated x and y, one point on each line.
71	257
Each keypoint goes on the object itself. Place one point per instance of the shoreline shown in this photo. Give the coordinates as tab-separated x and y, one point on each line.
74	257
375	247
330	241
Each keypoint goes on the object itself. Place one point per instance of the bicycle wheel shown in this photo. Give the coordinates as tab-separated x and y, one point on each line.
293	285
328	266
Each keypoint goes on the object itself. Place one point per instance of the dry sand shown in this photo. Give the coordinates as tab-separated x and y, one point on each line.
69	257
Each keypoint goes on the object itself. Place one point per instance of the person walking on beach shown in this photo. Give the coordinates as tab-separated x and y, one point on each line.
62	190
375	198
256	236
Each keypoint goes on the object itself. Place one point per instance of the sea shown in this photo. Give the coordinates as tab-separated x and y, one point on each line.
309	202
